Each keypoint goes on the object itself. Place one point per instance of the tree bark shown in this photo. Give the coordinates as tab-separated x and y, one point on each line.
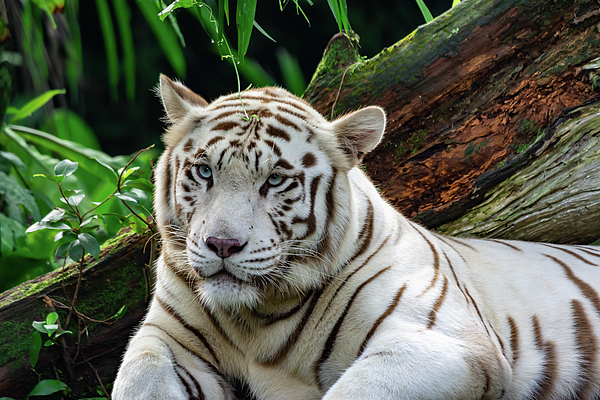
493	130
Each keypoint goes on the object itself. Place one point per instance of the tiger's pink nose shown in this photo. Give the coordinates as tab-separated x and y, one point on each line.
224	247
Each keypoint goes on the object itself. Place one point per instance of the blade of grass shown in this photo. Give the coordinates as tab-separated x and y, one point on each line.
261	30
123	15
246	9
425	11
110	47
455	2
292	74
33	105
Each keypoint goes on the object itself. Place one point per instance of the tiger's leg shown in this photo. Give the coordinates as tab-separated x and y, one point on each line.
423	365
156	368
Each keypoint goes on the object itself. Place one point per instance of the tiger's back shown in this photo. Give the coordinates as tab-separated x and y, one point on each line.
283	268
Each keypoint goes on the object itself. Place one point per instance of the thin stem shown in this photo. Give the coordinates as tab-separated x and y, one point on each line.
72	309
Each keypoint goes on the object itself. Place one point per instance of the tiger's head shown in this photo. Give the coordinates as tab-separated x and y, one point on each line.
253	199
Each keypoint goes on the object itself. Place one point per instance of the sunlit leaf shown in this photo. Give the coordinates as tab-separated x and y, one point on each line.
425	11
246	10
66	167
35	104
127	197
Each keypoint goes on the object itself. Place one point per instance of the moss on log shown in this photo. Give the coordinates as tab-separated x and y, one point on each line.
118	279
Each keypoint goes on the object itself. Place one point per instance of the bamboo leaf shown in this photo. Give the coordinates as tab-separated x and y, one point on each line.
33	105
261	30
246	10
110	47
425	11
123	15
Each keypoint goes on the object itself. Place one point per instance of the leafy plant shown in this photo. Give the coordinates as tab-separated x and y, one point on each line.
89	175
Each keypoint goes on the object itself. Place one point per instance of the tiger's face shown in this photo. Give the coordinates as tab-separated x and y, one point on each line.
249	185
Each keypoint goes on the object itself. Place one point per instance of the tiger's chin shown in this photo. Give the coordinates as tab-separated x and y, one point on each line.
224	291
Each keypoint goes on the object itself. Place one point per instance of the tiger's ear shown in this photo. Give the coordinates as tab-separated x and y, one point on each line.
360	132
177	99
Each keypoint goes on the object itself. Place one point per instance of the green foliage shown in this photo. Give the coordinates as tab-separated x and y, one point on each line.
78	199
425	11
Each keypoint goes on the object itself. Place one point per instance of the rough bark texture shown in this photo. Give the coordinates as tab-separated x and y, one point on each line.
493	131
468	96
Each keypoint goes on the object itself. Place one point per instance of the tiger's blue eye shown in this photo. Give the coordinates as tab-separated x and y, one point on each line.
275	180
204	171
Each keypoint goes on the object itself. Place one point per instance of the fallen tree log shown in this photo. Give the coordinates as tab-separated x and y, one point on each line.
493	131
471	97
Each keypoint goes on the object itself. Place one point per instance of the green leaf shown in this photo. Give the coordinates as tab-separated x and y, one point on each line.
120	313
246	10
39	326
35	104
123	15
62	251
455	2
67	125
72	151
47	387
110	47
90	244
108	167
125	175
261	30
174	6
165	35
34	348
52	178
66	167
48	343
127	197
15	195
292	74
425	11
74	200
51	318
16	161
141	183
76	250
12	235
62	333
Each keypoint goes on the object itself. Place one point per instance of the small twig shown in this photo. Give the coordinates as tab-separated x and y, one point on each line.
337	96
97	377
79	277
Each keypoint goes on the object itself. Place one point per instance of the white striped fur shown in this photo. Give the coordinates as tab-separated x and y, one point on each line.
283	269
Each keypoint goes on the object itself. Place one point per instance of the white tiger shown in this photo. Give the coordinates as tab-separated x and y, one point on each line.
282	268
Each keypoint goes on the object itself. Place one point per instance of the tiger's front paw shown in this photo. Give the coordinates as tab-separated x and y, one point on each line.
149	377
